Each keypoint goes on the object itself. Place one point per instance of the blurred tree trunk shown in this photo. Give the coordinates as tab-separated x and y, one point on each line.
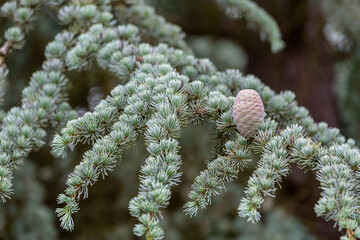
306	64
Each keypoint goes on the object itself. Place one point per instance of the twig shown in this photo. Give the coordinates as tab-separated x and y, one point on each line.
4	50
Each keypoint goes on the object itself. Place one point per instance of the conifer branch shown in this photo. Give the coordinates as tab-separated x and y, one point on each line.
223	169
272	166
102	158
159	173
338	173
123	65
42	104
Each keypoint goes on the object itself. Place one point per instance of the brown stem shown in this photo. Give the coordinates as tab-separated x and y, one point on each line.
4	50
350	234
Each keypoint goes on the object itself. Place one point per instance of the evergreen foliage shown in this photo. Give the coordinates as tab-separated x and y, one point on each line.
163	88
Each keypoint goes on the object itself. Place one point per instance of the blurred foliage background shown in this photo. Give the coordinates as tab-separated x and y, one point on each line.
320	63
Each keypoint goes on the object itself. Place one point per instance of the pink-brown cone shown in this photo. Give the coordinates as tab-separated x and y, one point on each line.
248	112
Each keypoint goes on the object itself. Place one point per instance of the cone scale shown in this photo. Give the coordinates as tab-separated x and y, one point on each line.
248	112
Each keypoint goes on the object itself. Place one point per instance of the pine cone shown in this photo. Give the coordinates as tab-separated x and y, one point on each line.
248	112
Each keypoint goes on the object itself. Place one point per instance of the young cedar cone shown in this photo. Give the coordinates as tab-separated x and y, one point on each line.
248	112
